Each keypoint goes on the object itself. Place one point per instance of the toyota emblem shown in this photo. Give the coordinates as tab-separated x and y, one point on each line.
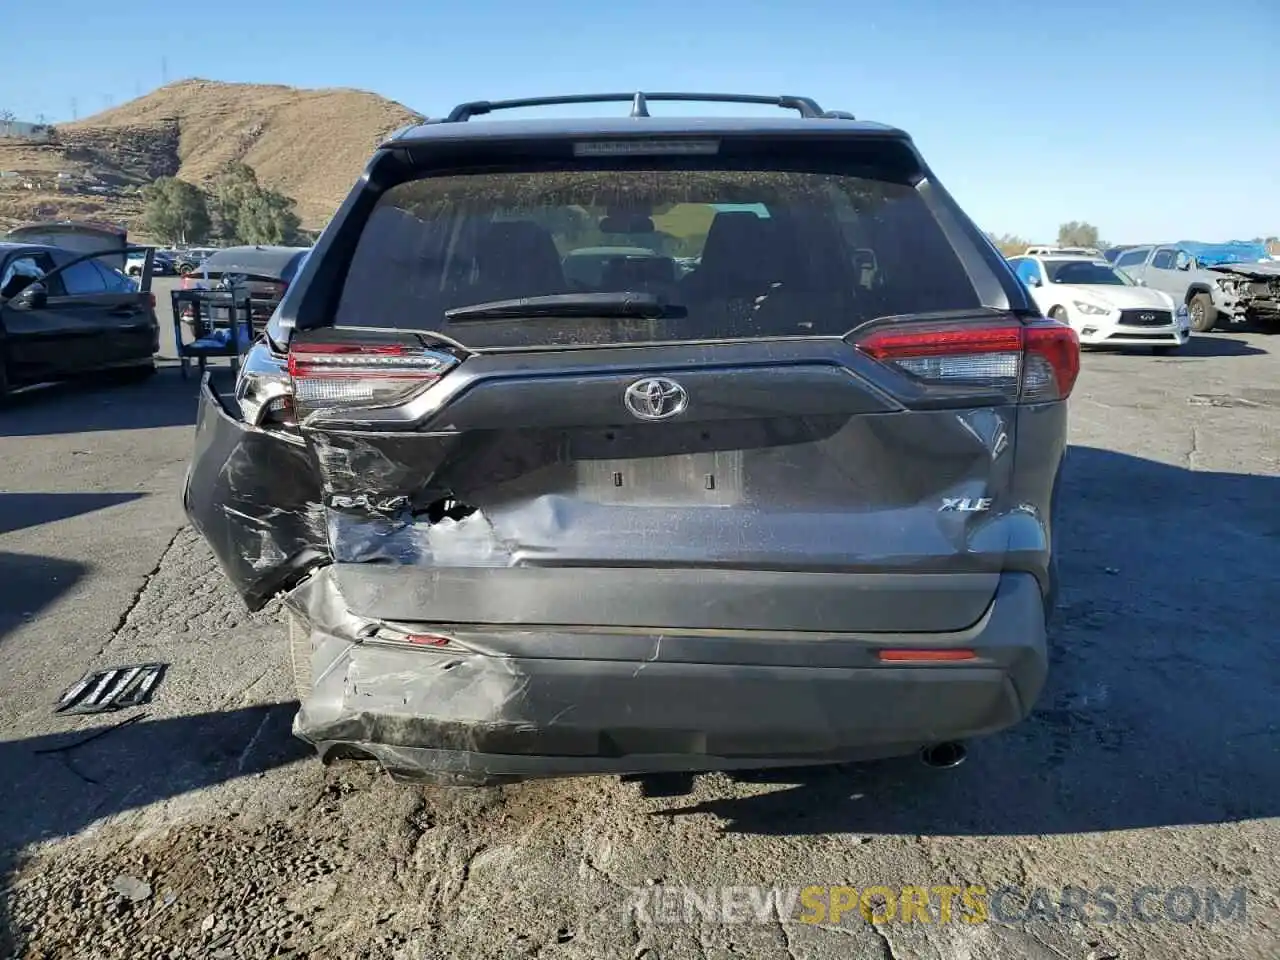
655	398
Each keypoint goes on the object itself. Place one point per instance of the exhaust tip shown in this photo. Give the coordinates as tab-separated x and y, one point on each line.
945	755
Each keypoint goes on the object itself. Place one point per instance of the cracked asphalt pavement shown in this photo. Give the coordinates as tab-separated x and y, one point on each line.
1151	766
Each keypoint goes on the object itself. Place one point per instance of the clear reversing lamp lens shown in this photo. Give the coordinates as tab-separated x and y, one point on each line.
973	368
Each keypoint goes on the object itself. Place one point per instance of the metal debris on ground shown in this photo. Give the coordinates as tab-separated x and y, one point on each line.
111	689
1219	400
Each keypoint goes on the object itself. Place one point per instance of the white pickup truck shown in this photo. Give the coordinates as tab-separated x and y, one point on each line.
1227	293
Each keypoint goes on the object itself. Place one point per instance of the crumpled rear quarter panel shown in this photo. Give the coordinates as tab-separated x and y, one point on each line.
255	497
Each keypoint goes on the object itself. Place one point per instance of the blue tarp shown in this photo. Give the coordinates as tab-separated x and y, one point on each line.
220	337
1235	251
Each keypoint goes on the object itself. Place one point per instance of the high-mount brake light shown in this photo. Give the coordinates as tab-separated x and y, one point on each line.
1029	362
645	147
327	375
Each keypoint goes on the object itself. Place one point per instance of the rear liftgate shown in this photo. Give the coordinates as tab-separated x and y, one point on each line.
832	485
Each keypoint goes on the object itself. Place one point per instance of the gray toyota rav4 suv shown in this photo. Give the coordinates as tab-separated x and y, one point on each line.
770	483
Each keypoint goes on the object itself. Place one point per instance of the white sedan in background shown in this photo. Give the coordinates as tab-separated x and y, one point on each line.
1104	305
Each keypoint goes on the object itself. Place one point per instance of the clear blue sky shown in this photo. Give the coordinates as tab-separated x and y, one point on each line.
1153	119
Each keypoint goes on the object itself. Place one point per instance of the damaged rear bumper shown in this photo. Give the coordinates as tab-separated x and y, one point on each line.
500	704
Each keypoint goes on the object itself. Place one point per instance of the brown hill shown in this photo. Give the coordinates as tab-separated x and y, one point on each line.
307	144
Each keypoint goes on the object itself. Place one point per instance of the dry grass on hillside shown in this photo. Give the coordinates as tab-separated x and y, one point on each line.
308	144
29	206
35	158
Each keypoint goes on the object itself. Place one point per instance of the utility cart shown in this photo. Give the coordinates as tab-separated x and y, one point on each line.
222	322
209	324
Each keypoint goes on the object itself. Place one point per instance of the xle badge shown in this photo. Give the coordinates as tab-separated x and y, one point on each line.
964	504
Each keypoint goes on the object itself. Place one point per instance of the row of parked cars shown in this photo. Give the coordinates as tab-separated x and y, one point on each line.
1152	295
76	298
172	262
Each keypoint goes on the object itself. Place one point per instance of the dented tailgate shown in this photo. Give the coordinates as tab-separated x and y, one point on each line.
792	493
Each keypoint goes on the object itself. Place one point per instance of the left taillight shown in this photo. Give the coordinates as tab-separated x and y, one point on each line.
338	375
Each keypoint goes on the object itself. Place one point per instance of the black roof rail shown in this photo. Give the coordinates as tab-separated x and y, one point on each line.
806	106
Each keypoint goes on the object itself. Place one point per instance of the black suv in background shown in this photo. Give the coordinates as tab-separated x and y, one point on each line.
773	485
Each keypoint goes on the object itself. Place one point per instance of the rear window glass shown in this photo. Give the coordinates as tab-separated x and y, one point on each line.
746	252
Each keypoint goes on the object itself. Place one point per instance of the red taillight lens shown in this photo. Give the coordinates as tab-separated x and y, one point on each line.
1057	346
1028	362
427	640
361	375
153	301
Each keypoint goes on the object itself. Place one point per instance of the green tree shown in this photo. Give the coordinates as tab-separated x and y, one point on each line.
227	193
246	212
1077	234
1009	244
176	211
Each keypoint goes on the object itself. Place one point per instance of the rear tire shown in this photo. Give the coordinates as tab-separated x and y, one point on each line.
300	656
1204	317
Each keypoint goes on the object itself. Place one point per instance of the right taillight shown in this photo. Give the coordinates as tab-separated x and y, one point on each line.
1051	348
338	375
1030	362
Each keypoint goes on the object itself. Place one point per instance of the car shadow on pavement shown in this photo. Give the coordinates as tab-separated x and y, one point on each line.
1219	345
65	781
21	510
165	400
58	784
1201	347
1209	345
1160	709
30	583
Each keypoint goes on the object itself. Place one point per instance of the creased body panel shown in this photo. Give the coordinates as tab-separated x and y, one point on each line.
810	503
255	498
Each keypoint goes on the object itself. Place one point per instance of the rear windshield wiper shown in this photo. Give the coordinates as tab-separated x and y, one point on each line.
623	304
